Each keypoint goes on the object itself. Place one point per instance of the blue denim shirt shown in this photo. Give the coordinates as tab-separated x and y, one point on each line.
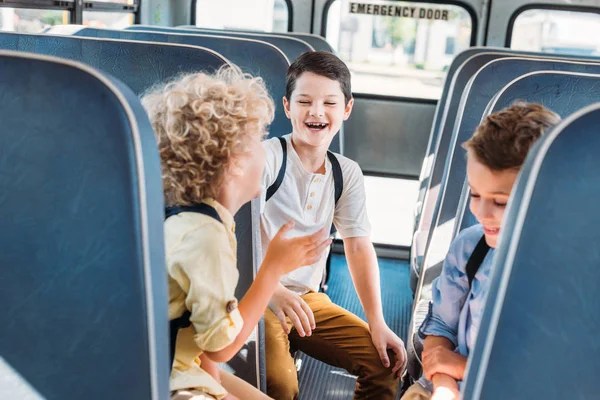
455	311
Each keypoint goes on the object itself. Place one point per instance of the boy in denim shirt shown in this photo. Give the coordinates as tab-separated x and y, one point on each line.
495	155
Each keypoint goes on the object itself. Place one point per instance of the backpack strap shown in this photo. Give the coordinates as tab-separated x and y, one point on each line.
476	259
338	178
174	326
273	188
184	320
201	208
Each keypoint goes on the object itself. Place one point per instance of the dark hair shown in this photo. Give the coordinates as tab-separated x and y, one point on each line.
504	138
320	63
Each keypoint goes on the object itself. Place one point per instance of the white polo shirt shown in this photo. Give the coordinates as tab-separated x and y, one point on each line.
309	200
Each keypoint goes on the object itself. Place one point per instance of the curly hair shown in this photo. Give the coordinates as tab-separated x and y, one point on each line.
504	138
200	120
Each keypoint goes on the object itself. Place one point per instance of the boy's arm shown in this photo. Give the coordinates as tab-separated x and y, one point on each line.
440	328
439	357
364	269
283	256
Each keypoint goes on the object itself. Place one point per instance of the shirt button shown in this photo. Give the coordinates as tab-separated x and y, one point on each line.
232	305
312	194
309	207
317	180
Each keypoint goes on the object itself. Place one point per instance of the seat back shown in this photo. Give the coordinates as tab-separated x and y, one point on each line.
142	65
463	67
258	58
83	276
139	65
319	43
538	335
447	113
291	46
577	90
482	87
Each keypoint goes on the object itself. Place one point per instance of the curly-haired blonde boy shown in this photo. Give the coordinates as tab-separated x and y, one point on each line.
209	130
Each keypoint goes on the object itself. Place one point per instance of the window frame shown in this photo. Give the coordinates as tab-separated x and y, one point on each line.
76	7
467	7
290	9
544	7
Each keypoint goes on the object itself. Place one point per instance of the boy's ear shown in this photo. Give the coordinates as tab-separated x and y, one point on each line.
234	169
348	109
286	107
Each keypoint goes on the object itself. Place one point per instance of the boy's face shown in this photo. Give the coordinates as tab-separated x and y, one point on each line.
490	191
250	163
317	109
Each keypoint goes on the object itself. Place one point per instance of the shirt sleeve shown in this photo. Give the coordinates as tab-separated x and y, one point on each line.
449	294
205	268
350	217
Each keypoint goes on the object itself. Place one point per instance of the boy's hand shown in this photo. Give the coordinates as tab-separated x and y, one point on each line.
229	396
287	303
442	360
384	338
446	388
289	254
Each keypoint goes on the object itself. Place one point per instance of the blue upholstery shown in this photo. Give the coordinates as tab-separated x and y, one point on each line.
447	113
292	47
483	86
539	333
138	65
319	43
141	66
562	92
463	67
255	57
259	58
453	194
83	279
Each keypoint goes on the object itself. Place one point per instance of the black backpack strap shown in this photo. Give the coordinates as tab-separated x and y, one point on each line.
273	188
201	208
174	326
184	320
338	184
476	259
338	178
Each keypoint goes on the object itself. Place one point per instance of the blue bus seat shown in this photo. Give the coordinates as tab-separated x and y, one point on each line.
138	65
142	65
83	271
255	57
292	47
538	337
576	90
273	72
463	67
318	42
447	113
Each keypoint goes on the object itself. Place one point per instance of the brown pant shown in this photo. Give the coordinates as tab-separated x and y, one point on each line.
340	339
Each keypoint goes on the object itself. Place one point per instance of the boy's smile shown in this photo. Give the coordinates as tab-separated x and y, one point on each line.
490	191
316	109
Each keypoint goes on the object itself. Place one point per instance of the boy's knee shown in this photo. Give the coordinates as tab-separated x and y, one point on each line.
282	386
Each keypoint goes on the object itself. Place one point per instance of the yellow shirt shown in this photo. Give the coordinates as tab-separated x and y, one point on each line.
202	267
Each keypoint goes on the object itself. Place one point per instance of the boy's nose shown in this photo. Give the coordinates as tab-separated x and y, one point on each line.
316	111
485	210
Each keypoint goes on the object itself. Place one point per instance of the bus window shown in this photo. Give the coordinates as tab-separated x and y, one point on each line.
254	15
398	48
556	31
24	20
110	20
